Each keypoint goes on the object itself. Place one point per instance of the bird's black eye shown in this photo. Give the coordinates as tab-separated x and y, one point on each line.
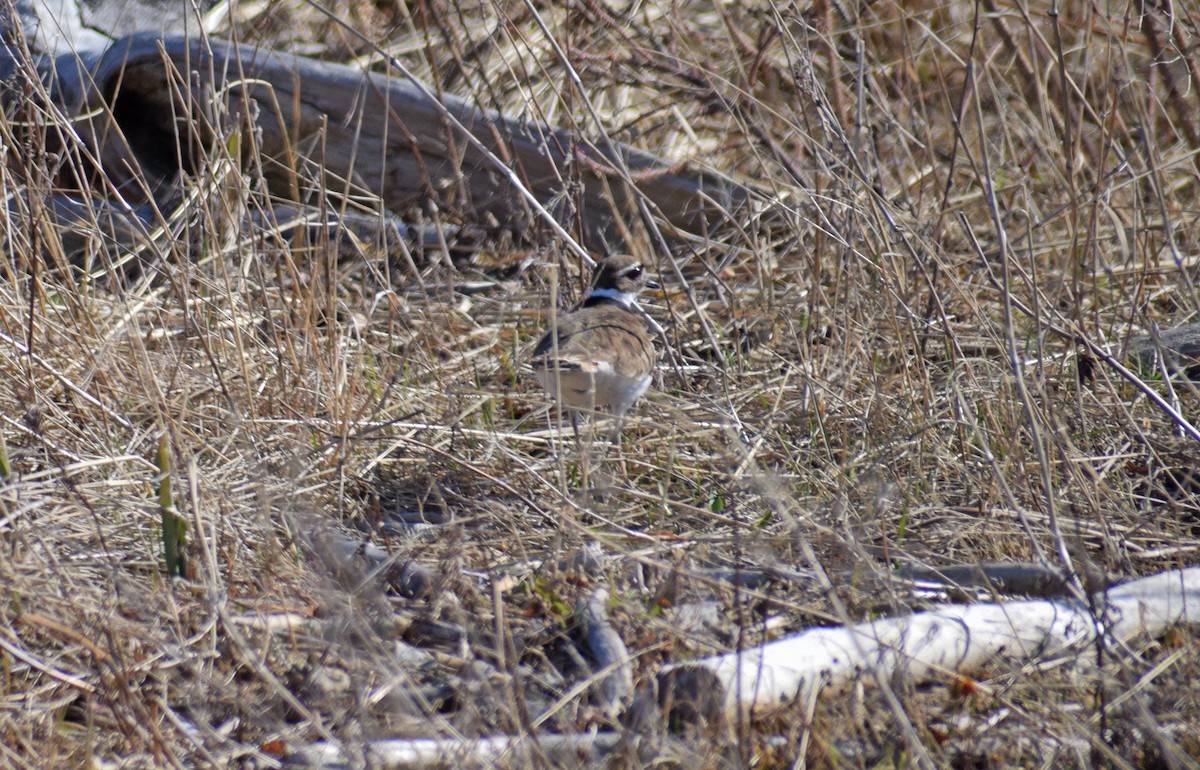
635	272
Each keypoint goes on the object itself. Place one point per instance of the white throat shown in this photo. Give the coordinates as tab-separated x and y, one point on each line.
625	298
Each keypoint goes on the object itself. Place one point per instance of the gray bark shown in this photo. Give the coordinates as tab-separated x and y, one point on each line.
148	105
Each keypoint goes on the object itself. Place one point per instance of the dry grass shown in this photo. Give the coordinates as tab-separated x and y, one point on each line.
955	188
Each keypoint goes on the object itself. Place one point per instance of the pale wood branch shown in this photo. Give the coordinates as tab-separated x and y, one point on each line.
948	639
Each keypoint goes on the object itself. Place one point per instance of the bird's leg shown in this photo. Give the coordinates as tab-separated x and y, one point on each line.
615	438
581	448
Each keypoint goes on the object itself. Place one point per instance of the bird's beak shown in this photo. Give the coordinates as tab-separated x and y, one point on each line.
653	285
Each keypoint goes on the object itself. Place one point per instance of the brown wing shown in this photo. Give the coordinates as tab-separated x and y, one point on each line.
601	333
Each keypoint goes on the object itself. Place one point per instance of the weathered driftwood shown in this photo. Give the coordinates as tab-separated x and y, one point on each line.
566	750
947	639
407	578
1024	578
149	106
973	580
1177	350
613	690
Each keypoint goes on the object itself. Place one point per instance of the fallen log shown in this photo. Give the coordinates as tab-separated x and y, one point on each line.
948	639
613	689
145	110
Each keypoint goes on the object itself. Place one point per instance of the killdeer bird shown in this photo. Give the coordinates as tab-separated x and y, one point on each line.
598	357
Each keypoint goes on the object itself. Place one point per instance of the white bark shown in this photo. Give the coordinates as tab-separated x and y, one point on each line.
947	639
434	752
